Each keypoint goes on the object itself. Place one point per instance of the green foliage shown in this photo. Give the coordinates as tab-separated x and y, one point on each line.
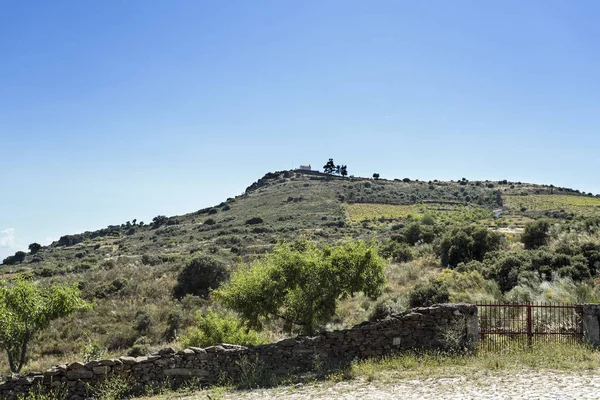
202	274
142	323
174	322
216	328
93	351
26	308
140	347
535	234
301	283
463	244
427	294
398	252
254	221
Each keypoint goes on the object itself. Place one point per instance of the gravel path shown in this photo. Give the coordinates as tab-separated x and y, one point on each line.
529	385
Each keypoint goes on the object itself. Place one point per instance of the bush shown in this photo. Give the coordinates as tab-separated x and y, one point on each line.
385	307
427	294
535	234
399	252
210	221
142	323
141	347
254	221
174	321
201	274
215	328
464	244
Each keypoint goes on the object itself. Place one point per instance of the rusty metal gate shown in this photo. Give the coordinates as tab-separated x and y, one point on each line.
508	324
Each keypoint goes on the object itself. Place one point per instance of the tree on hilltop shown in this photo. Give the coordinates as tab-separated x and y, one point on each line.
34	248
331	168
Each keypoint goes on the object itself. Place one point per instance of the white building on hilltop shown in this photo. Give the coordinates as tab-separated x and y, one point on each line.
305	168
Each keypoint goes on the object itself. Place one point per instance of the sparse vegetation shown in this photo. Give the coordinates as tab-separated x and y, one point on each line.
131	271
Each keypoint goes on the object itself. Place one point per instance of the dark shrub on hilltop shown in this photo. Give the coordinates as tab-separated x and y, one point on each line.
200	275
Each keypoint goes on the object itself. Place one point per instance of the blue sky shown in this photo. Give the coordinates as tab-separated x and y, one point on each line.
116	110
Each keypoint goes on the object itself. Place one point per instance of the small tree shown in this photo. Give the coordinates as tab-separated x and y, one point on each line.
19	257
26	308
34	248
329	167
535	234
200	275
376	176
301	284
158	221
344	171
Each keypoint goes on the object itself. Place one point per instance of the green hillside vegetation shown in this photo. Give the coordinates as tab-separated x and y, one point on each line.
151	284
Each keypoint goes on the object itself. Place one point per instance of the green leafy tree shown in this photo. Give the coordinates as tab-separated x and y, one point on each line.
375	176
34	248
535	234
27	308
301	283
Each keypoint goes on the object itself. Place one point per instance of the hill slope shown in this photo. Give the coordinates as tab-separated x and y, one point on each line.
129	270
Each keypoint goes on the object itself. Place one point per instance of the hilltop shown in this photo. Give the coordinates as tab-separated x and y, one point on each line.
129	271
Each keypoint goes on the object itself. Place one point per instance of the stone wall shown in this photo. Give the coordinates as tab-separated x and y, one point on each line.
420	328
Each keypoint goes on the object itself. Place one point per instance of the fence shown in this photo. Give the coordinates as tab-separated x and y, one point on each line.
502	324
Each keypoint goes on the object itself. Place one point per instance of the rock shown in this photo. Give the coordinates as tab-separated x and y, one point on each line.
102	370
127	360
76	365
167	350
79	373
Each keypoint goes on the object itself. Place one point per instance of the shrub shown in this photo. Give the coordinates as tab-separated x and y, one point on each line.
426	294
174	321
141	347
463	244
399	252
210	221
254	221
385	307
142	323
215	328
200	275
535	234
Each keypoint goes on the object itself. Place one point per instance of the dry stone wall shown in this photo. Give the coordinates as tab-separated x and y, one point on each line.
420	328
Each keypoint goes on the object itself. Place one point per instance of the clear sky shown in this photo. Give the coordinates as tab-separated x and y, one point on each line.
115	110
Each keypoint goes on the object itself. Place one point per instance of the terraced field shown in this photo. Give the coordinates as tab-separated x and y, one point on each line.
441	212
578	205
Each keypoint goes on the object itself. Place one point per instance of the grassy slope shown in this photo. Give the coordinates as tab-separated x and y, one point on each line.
114	275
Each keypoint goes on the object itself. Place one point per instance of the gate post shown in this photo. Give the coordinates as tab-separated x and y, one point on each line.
591	325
